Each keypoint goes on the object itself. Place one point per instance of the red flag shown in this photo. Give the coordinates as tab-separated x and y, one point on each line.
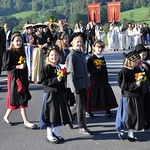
94	12
113	9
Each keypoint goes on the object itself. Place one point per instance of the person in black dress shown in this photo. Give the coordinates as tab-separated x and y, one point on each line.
18	95
100	94
55	111
145	67
130	113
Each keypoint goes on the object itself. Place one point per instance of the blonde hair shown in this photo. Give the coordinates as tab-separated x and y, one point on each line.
75	38
52	48
61	44
128	63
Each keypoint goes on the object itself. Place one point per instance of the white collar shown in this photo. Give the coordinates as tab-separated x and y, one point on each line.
99	56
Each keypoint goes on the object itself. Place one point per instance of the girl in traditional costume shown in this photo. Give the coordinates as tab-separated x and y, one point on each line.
14	62
130	113
55	110
100	94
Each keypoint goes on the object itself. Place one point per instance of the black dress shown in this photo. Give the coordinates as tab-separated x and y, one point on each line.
130	113
15	99
100	94
55	110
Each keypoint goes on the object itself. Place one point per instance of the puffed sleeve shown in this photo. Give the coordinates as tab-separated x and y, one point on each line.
48	77
7	61
90	66
125	83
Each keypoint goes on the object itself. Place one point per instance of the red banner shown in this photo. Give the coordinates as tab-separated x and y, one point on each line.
113	9
94	12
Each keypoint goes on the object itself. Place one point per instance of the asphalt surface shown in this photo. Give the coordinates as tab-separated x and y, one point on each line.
17	137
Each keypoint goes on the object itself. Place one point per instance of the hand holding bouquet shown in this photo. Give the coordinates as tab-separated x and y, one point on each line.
62	72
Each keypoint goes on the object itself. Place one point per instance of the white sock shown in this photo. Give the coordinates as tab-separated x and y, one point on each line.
122	132
50	133
56	131
130	133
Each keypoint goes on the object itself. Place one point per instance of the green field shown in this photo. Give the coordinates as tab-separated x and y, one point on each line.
24	14
138	15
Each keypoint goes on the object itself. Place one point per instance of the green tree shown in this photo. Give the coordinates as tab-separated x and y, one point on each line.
143	3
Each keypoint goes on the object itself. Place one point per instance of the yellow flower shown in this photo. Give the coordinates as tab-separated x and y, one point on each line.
98	62
22	60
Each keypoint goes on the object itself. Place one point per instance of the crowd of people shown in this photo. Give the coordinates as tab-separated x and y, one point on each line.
54	55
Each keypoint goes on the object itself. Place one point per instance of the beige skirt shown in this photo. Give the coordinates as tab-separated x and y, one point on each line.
38	62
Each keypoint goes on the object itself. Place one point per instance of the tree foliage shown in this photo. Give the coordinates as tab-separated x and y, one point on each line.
71	10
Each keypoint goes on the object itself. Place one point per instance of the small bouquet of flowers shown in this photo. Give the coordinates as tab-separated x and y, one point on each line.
62	72
140	77
22	60
98	62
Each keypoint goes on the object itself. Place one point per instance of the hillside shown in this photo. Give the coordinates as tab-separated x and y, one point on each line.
9	7
139	15
68	10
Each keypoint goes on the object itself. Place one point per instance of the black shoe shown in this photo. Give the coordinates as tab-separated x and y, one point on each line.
89	115
32	127
59	138
121	135
53	141
69	125
114	50
85	131
134	139
8	123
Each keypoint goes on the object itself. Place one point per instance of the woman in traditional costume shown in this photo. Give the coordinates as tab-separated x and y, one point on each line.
29	43
38	61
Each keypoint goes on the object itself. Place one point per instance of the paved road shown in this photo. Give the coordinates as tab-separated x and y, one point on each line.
105	137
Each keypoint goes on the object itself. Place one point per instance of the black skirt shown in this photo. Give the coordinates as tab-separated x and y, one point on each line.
55	110
130	114
100	96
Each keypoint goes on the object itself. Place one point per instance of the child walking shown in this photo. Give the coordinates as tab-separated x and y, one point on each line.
55	110
100	94
130	113
14	62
